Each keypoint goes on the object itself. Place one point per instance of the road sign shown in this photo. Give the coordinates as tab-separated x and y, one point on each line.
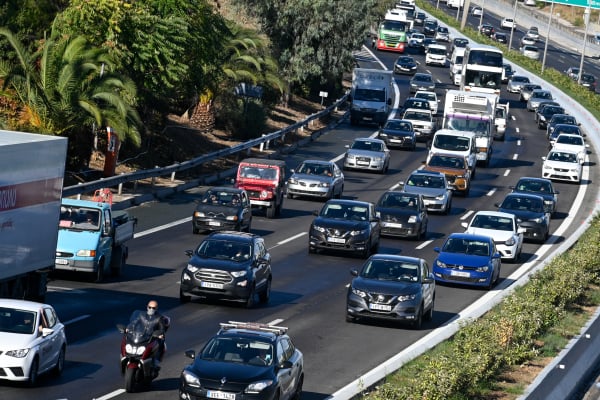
595	4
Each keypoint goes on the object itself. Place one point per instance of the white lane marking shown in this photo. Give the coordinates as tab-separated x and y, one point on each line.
284	241
507	172
515	156
338	158
491	192
161	227
519	142
72	321
467	214
424	244
517	129
276	321
111	395
396	186
64	289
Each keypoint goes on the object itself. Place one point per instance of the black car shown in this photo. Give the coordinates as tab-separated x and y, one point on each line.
430	27
228	265
398	133
458	42
540	186
420	18
531	214
589	81
345	225
487	30
402	214
405	65
544	114
560	119
500	37
422	81
392	287
563	128
508	72
245	360
222	208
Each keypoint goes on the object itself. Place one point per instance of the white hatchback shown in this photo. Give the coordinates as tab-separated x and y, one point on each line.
508	23
500	226
32	341
564	165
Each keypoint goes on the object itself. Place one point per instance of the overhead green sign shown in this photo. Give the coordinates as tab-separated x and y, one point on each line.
595	4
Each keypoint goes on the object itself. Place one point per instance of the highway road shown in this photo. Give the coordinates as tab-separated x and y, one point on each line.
308	289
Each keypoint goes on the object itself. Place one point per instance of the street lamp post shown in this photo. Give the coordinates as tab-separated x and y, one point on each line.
481	16
547	36
586	21
512	29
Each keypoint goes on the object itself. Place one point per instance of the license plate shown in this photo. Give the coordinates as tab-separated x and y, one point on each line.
380	307
214	223
212	394
392	225
462	274
362	162
336	240
212	285
61	261
396	140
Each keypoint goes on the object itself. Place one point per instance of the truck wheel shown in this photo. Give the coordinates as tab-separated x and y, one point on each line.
116	263
271	212
98	276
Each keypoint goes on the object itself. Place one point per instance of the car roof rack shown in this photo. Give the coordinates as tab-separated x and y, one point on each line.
256	326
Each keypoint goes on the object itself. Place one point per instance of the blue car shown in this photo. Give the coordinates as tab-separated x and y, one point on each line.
467	259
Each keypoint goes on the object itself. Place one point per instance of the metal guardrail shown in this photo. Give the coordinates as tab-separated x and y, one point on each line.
171	170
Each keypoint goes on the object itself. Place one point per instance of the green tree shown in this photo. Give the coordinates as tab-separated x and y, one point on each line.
66	87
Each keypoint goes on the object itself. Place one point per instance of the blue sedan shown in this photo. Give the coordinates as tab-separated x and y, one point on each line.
467	259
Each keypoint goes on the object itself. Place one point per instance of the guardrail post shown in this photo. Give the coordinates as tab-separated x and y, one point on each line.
262	144
120	187
79	195
173	176
135	185
153	180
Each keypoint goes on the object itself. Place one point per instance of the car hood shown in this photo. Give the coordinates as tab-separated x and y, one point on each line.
71	241
365	153
425	191
498	236
212	263
463	259
312	178
340	223
234	372
385	287
14	341
524	215
217	209
402	213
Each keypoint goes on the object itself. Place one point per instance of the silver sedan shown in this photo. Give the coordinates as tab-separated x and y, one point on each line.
367	153
316	178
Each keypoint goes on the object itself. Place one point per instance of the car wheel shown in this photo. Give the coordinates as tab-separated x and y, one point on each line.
429	315
33	372
311	250
289	195
250	300
367	251
265	295
60	363
271	212
375	248
298	391
183	298
195	231
350	318
339	195
98	276
418	322
249	225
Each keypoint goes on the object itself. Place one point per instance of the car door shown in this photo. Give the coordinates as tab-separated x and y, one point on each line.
49	345
428	289
247	210
338	179
375	225
423	212
261	263
286	374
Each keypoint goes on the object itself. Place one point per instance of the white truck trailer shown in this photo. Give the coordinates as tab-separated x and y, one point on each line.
472	112
31	183
371	95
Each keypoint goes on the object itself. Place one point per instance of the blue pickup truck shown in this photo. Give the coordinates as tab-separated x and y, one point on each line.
91	238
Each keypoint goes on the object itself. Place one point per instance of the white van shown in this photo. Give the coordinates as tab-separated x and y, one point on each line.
455	142
456	63
436	54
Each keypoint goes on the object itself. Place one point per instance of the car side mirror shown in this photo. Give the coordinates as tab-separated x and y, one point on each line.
436	249
189	253
427	280
287	364
315	213
190	354
47	332
354	272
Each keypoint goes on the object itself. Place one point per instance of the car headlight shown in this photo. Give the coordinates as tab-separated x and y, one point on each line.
86	253
383	135
359	232
237	274
407	297
264	194
542	118
483	268
292	181
537	220
232	218
192	268
440	197
20	353
359	292
324	184
510	242
190	379
378	159
319	228
412	219
257	387
546	166
350	156
199	214
441	264
574	169
548	202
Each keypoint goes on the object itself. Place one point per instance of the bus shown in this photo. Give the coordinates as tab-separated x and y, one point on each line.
482	69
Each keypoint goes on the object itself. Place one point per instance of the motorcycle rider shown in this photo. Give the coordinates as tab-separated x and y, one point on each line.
154	321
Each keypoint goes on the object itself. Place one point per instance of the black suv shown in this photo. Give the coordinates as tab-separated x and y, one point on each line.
222	208
430	27
245	360
228	265
345	225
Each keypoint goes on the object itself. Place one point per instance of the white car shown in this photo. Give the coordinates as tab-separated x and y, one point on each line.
575	143
564	165
422	121
436	54
508	23
503	228
416	40
431	97
369	154
32	341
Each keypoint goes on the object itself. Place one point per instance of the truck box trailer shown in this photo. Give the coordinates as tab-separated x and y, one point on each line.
31	185
371	95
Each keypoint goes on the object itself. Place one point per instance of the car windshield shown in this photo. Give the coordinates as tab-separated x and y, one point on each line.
562	157
238	350
390	270
258	172
571	140
314	169
563	119
405	60
423	78
519	203
398	125
369	95
447	162
493	222
417	115
367	145
224	250
466	246
345	211
426	95
17	321
427	181
534	186
222	198
541	95
520	79
398	200
79	218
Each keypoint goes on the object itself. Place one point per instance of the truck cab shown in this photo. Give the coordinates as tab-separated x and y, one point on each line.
264	181
91	238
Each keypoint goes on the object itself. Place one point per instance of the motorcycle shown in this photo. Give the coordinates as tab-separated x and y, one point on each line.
139	348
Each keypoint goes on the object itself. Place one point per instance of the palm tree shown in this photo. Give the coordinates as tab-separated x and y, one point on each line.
65	88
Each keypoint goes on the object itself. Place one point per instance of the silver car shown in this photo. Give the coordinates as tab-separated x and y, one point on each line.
516	82
316	178
531	52
433	187
537	96
369	154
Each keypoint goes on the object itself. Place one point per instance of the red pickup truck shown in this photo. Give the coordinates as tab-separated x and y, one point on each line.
264	181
